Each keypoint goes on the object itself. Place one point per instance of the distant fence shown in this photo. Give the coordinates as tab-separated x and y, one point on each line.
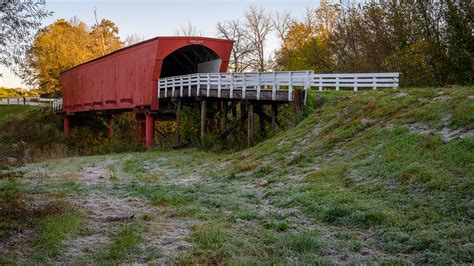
26	101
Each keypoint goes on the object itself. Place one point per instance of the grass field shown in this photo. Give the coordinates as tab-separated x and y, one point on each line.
7	110
368	177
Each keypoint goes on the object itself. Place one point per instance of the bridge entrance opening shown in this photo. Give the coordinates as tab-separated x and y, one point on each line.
190	59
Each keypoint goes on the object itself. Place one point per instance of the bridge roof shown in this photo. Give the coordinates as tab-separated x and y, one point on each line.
145	42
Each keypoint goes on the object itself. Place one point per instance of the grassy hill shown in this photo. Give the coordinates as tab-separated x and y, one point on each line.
374	176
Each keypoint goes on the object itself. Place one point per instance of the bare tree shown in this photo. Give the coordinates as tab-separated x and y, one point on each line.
101	33
133	39
309	17
258	26
188	30
282	22
234	30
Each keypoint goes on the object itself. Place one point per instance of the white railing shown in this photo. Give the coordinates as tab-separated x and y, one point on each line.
232	82
57	105
274	81
355	81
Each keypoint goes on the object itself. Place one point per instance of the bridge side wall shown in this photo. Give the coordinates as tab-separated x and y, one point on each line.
116	81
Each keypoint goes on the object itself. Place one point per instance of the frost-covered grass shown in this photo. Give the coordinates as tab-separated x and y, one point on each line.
382	177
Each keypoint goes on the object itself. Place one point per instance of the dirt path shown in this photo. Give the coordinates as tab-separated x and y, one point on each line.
105	213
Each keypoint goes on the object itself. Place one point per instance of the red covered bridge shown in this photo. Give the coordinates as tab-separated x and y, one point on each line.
127	78
155	77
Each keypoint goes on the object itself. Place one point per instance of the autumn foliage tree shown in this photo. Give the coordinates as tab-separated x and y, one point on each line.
65	44
428	42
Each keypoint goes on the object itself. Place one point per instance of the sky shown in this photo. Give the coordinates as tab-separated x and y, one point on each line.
150	18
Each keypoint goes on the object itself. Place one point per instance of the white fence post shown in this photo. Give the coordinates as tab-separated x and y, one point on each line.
259	81
173	89
231	92
198	87
189	85
355	83
219	86
290	87
274	86
244	86
208	82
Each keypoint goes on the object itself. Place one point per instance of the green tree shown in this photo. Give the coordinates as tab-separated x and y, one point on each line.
19	22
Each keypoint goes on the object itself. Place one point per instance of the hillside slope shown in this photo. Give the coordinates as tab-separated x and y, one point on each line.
384	176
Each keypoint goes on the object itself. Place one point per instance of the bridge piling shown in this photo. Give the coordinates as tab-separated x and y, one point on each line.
67	125
203	119
261	120
243	114
150	130
250	139
274	115
178	112
110	126
224	116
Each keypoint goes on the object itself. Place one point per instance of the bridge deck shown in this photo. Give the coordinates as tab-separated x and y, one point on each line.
225	93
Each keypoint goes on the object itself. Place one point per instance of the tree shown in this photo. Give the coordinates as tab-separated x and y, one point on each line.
326	15
105	35
296	37
306	42
258	26
19	22
65	44
234	30
133	39
188	30
282	23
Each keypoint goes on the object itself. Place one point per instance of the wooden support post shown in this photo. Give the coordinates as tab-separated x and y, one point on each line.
299	100
274	115
224	116
243	114
261	121
67	125
250	126
150	131
140	118
110	126
234	112
143	129
203	119
178	112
